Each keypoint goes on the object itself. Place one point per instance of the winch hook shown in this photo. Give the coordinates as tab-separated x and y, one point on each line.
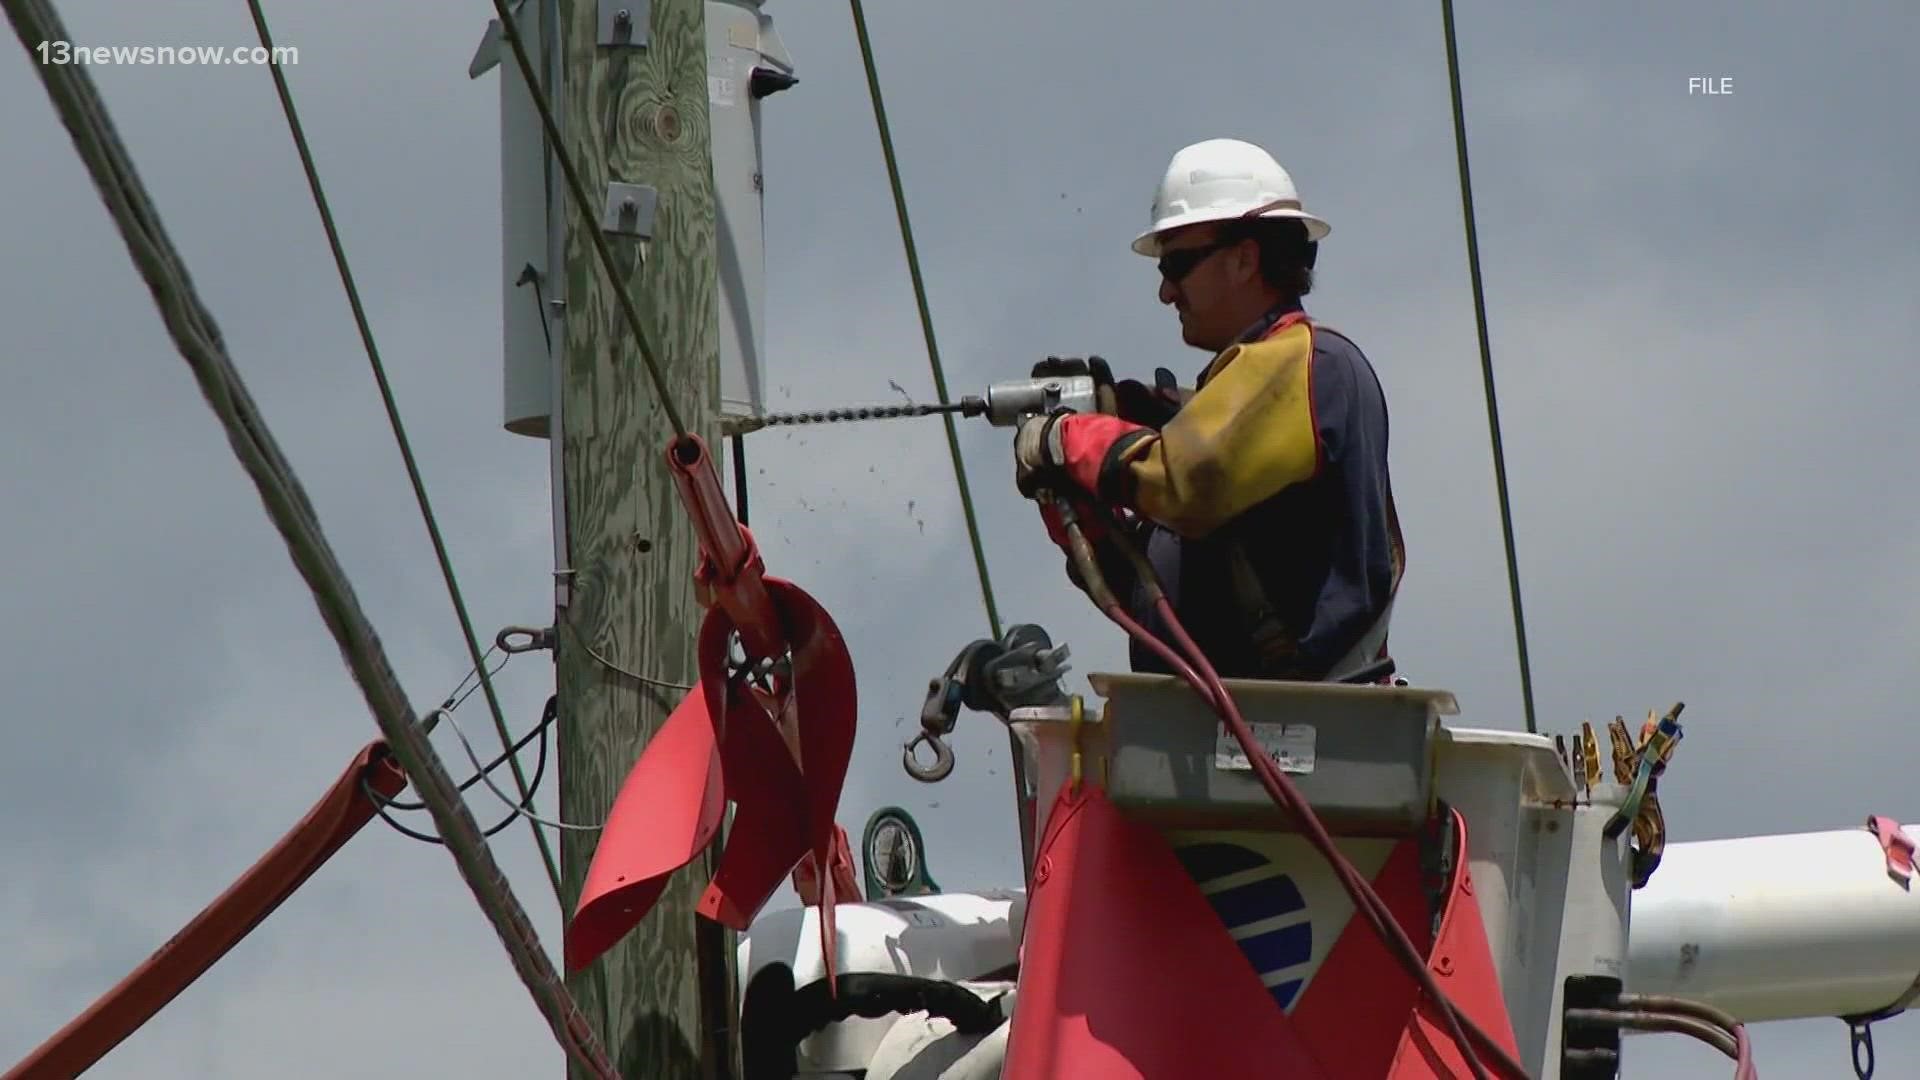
942	759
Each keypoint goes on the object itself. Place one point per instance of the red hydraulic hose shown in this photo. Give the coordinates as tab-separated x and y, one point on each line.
1718	1020
1468	1036
1080	550
1164	651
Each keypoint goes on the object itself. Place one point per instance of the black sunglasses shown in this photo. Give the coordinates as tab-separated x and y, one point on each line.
1176	265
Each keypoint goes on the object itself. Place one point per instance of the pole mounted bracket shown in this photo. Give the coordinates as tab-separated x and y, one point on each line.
626	22
629	210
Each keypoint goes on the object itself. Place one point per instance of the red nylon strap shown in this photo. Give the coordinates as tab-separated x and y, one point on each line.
784	779
1897	845
806	878
221	925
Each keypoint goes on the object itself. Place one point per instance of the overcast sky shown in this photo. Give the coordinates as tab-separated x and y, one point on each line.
1702	314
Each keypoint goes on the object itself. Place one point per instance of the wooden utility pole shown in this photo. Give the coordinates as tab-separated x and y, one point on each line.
634	84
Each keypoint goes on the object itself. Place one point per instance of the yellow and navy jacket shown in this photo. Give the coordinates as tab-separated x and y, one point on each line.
1277	466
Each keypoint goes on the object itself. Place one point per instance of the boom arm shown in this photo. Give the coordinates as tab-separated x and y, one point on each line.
1780	927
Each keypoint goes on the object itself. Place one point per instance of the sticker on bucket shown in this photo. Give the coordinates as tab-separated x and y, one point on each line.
1288	746
1262	907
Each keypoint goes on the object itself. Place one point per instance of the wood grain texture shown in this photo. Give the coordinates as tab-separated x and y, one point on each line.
635	116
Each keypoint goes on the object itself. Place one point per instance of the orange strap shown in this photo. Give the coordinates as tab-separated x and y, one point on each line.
121	1011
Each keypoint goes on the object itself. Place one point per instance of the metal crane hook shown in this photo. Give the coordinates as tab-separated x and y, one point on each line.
942	764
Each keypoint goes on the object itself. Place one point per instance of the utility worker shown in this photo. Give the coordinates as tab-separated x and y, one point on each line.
1262	497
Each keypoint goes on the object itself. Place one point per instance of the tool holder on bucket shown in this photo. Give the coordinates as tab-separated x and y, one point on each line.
1363	756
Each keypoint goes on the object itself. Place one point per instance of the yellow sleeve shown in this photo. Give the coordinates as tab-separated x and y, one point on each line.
1249	433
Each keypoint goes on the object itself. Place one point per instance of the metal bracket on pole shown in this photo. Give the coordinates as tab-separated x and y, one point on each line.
625	22
629	210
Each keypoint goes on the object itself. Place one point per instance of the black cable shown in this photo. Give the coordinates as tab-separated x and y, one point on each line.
713	949
496	829
538	732
1486	364
381	806
740	478
540	301
874	994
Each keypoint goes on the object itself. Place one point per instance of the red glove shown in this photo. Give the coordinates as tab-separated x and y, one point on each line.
1070	445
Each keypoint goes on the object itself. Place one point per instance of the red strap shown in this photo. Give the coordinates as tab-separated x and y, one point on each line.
1897	845
784	793
222	924
784	776
668	811
806	879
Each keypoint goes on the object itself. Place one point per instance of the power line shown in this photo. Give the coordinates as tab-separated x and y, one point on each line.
1017	756
926	319
1486	363
400	433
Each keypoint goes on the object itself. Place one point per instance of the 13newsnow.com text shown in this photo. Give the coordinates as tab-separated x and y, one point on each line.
66	52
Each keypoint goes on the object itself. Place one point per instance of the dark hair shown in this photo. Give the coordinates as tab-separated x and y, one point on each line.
1286	257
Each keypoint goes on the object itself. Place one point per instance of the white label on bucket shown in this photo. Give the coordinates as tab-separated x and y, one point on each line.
1288	746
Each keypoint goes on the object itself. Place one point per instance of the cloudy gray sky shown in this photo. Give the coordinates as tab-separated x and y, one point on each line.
1702	317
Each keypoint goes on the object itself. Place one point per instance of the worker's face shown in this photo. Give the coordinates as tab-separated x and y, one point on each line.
1206	281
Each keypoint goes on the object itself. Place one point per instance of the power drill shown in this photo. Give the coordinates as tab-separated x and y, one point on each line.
1004	405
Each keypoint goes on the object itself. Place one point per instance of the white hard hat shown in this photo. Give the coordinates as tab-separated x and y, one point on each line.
1220	179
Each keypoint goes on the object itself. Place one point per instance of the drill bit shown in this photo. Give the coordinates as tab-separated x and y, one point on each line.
967	406
1004	404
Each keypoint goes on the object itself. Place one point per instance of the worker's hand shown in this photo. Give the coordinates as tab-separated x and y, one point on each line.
1070	453
1039	459
1151	406
1093	366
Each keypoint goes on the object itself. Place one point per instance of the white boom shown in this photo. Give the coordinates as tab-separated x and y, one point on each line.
1778	927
